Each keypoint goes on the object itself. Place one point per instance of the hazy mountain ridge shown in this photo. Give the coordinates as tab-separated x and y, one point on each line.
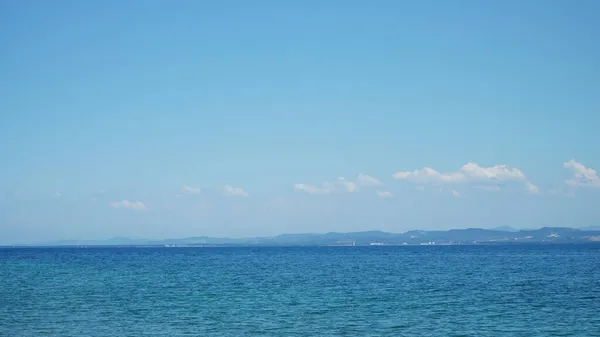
413	237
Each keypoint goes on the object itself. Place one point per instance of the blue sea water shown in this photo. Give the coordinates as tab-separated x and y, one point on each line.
533	290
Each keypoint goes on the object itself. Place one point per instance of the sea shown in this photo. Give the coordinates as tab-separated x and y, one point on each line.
477	290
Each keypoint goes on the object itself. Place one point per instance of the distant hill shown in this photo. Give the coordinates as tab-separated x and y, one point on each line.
414	237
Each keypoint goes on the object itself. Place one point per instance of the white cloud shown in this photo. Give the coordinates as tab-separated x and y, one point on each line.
428	175
469	173
311	189
384	194
338	185
134	205
582	176
531	187
235	191
190	190
496	172
420	188
367	181
455	193
345	184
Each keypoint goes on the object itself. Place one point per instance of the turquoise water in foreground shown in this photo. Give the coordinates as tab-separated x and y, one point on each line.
537	290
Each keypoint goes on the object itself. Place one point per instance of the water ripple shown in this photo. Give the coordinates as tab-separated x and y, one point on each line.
328	291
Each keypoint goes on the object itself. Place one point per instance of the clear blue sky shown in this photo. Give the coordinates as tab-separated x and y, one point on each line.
178	118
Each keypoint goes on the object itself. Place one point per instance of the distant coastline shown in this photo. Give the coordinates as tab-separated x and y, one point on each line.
469	236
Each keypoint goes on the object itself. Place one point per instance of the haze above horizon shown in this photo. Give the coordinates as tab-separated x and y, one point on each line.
240	119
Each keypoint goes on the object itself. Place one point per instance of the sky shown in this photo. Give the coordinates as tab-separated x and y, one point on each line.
162	119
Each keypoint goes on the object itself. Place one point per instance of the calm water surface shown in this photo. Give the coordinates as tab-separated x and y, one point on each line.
329	291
